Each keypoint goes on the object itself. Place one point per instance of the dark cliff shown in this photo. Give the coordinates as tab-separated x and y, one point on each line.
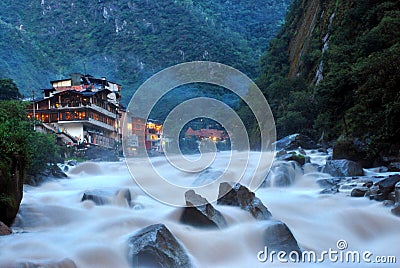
333	73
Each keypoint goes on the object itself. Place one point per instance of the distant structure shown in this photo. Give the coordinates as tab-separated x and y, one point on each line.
82	109
212	134
145	135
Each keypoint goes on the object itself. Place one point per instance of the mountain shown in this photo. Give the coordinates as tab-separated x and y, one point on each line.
129	40
333	72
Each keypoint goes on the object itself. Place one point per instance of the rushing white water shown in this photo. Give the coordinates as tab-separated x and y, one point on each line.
54	224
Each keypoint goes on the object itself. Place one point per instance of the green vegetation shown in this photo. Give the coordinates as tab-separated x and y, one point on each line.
8	90
128	41
18	140
23	151
358	97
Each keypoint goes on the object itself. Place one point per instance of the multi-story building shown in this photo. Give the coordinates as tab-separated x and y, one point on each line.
85	108
144	135
154	136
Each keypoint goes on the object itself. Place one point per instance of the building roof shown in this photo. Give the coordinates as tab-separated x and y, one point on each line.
205	133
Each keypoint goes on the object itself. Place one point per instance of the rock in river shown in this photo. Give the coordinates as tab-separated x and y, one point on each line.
388	185
294	141
104	197
200	213
359	191
277	236
4	229
343	168
237	195
156	246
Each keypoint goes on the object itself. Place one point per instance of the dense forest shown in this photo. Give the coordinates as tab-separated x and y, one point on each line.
24	152
333	73
129	40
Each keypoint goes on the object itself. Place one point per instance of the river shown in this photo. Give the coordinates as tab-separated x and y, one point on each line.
55	224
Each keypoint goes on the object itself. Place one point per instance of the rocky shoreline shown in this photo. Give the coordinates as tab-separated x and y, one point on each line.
381	183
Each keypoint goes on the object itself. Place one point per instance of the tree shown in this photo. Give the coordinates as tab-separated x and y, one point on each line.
8	90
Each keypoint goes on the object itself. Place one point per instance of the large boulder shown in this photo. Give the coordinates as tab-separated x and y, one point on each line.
394	167
156	246
200	213
105	197
52	171
65	263
396	210
343	168
4	229
294	141
388	185
237	195
353	150
278	237
359	191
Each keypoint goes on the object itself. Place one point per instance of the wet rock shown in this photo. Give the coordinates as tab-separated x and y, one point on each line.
4	229
104	197
397	192
66	263
237	195
374	193
391	197
367	183
98	197
359	191
347	186
300	159
294	141
343	168
51	172
330	191
200	213
278	237
353	150
379	169
388	185
282	174
125	195
396	210
281	153
156	246
394	167
72	163
322	150
388	203
301	151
